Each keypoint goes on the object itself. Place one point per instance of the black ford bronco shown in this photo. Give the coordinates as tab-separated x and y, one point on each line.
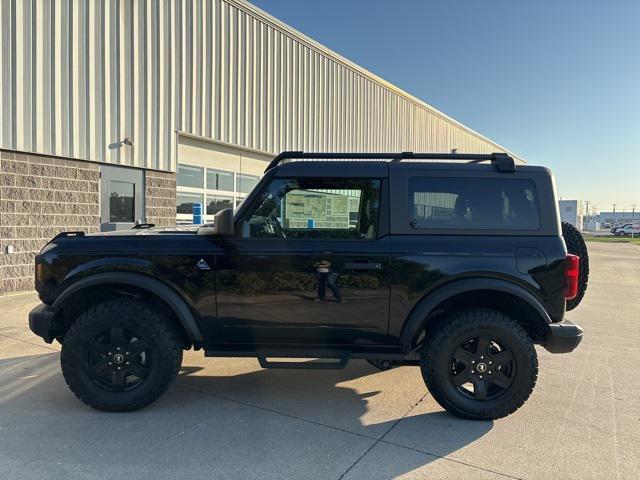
457	263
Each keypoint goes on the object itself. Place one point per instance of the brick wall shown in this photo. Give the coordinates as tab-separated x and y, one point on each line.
40	197
160	198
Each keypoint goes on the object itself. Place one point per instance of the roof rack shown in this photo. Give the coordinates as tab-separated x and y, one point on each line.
503	162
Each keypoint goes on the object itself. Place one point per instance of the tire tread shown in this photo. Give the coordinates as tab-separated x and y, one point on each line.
169	346
459	320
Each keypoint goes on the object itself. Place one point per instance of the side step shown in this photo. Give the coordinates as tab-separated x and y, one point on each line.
343	359
335	358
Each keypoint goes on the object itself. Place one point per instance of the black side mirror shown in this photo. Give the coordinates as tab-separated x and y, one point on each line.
222	224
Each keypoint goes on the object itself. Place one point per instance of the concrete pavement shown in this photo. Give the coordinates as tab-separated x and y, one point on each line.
227	418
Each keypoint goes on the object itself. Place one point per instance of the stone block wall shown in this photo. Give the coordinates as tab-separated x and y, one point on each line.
40	197
160	198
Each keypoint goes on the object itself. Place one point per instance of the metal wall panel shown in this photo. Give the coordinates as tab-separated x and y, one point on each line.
79	76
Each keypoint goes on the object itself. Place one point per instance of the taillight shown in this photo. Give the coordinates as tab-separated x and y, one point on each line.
571	273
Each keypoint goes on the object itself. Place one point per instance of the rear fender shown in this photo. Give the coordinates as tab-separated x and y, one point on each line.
418	316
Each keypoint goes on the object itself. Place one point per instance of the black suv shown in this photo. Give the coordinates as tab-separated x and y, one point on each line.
454	265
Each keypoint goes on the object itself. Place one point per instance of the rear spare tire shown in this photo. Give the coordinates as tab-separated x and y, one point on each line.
577	246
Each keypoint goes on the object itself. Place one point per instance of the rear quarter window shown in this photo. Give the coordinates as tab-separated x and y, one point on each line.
473	204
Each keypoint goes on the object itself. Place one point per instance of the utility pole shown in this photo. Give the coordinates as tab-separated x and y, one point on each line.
633	217
614	215
587	215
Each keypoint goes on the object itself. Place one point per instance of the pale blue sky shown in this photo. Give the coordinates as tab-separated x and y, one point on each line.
557	82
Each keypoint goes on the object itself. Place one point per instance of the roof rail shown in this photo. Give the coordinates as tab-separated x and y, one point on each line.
503	162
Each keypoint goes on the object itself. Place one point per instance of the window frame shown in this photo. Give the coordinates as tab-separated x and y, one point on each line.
382	226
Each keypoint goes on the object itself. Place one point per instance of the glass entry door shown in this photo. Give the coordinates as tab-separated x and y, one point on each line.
121	198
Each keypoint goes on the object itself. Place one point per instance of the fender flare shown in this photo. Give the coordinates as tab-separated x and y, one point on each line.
166	293
431	300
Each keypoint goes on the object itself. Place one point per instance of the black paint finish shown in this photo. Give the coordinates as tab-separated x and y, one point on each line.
265	291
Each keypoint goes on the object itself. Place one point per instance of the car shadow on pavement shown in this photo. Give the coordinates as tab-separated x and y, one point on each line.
405	439
326	397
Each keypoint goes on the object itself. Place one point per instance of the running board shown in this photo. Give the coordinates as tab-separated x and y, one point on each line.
342	361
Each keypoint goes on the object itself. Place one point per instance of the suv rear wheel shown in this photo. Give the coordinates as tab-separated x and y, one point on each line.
121	355
479	364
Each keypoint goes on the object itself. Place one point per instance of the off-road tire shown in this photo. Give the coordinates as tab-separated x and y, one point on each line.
134	315
576	246
445	337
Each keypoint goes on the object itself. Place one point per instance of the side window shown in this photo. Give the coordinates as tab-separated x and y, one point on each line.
315	208
473	203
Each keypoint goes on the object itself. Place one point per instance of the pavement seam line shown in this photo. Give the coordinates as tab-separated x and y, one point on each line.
276	412
382	440
368	437
460	462
28	342
383	435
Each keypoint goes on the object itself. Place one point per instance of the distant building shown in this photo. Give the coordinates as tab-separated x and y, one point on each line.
619	217
572	211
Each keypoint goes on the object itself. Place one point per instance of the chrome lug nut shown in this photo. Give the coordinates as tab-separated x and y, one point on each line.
480	375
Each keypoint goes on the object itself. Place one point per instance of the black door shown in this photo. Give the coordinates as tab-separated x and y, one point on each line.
307	266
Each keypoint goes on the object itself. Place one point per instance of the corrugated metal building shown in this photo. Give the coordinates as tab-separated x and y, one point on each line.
205	88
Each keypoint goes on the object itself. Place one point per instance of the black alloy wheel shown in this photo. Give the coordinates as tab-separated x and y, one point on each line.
479	363
117	360
482	368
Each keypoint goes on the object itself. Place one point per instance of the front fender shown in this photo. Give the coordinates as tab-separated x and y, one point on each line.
424	307
177	304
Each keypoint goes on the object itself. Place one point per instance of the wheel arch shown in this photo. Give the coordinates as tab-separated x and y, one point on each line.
500	295
101	284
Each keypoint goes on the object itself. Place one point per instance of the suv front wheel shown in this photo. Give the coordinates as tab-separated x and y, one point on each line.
479	364
121	355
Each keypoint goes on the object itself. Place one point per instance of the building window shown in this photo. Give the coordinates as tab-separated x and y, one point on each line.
246	182
189	176
217	203
568	208
185	201
219	180
216	189
121	201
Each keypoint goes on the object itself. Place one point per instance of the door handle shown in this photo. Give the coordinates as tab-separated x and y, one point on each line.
363	266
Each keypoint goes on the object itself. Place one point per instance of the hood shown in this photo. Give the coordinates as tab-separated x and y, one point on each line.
170	230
